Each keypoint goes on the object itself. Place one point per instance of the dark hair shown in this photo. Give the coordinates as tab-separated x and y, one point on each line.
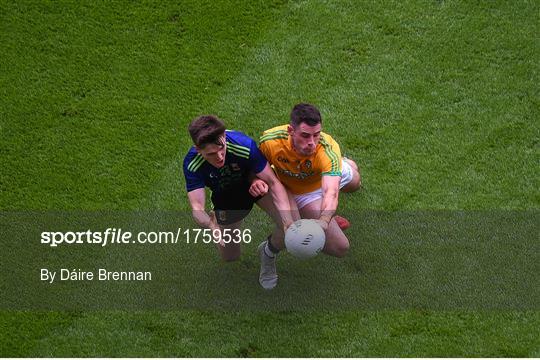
206	129
305	113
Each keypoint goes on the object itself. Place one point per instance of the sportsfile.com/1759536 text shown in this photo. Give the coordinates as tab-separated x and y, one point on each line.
119	236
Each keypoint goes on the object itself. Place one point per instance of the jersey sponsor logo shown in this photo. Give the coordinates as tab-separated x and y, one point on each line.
282	159
229	176
307	165
300	176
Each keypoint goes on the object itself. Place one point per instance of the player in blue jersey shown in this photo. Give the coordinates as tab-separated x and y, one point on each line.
226	162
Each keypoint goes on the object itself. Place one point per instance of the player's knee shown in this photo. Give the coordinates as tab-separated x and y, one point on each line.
353	164
356	182
338	249
341	250
353	185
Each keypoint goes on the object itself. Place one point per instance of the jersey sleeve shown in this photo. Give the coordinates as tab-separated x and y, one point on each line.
330	157
265	150
193	179
256	158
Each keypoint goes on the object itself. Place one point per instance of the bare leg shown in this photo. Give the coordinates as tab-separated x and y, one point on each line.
231	251
356	181
268	206
268	277
337	243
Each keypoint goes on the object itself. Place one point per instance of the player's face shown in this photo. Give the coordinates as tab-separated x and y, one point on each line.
214	154
305	138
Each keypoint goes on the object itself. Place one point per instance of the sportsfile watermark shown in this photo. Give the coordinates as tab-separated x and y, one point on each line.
119	236
434	260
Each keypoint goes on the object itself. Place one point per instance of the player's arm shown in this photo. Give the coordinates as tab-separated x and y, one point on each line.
330	190
330	160
279	194
259	187
197	199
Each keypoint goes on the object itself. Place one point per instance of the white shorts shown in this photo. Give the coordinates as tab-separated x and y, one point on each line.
346	177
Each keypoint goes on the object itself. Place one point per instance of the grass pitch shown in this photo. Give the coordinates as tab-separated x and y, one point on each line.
437	101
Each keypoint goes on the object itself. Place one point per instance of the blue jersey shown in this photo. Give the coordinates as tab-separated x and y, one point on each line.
242	157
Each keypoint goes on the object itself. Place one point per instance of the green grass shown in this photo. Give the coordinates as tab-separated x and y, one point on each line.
239	334
438	101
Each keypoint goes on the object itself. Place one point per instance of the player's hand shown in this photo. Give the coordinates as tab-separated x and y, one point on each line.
216	230
258	188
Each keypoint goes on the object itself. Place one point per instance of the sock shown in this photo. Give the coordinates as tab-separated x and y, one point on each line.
269	249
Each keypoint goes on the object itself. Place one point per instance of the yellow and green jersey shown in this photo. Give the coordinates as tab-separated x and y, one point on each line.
300	174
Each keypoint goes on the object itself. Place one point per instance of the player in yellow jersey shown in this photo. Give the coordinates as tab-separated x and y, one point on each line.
309	163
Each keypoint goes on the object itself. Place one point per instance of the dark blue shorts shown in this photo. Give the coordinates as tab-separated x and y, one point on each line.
233	205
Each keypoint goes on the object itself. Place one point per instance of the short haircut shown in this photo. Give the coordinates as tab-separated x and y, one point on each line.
206	129
305	113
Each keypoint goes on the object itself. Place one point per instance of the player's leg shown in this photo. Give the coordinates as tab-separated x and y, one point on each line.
230	251
230	209
269	249
351	179
267	204
350	182
337	243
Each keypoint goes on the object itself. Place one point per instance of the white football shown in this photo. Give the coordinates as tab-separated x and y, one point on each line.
305	238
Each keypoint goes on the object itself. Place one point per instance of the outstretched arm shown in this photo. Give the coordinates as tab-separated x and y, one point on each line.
330	190
197	199
279	195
